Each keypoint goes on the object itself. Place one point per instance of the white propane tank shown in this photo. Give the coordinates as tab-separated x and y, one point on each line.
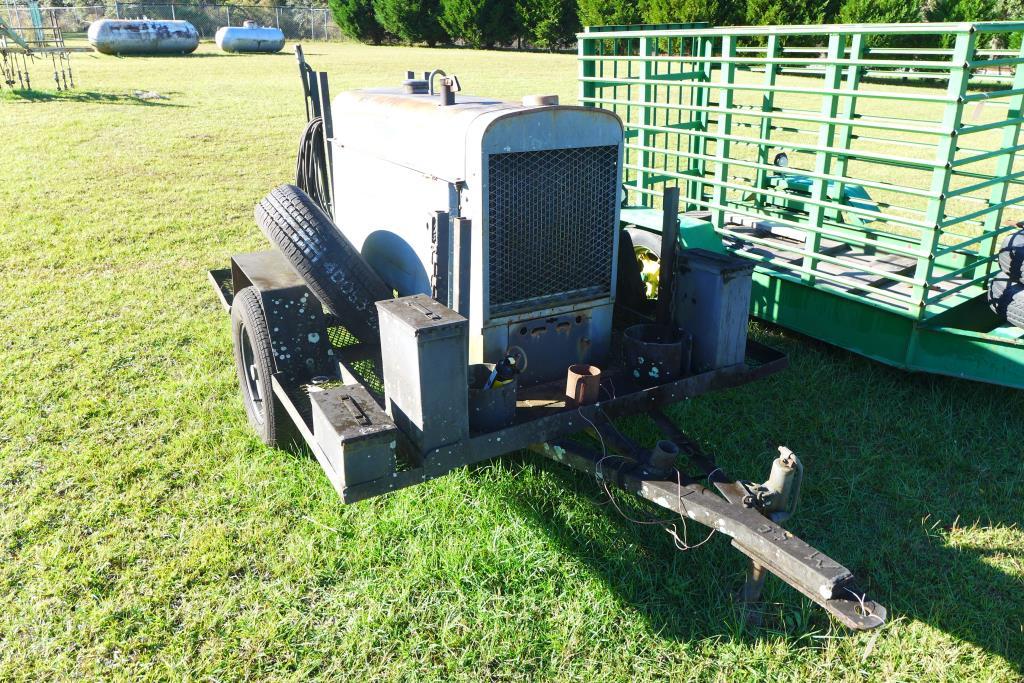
143	37
250	37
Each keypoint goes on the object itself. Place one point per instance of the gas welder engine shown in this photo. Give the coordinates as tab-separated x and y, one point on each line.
507	213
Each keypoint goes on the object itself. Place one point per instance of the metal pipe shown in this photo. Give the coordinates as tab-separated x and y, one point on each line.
669	238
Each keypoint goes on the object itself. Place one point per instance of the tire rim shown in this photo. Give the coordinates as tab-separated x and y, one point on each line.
251	383
650	270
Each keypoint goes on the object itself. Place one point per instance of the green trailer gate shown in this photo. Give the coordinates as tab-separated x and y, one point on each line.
870	170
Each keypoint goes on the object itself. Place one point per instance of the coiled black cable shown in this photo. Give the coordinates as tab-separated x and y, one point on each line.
311	172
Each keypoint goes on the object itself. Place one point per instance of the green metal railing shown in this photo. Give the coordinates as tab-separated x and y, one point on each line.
903	166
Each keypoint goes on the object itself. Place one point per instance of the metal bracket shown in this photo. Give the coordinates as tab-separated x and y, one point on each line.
295	317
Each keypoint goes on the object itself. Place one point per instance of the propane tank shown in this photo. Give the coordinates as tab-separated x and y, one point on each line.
143	37
250	37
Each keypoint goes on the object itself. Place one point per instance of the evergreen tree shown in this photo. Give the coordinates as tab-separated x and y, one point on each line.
413	21
715	12
549	23
480	23
356	20
886	12
603	12
785	12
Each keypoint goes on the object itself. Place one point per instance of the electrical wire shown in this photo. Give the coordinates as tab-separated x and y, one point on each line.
311	172
680	543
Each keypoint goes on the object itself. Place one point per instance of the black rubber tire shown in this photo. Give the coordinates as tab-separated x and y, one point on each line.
630	285
254	361
331	267
1011	256
1006	299
648	240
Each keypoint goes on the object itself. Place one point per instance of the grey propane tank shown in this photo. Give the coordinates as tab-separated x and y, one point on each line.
250	37
143	37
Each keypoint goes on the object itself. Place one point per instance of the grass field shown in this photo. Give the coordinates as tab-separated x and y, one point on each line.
145	533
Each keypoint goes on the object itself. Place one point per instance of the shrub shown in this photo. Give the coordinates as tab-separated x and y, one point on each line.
768	12
356	20
549	23
885	12
603	12
412	21
480	23
715	12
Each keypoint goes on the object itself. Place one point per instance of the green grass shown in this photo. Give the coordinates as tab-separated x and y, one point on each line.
145	533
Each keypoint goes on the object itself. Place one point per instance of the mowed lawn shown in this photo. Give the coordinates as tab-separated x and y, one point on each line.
146	533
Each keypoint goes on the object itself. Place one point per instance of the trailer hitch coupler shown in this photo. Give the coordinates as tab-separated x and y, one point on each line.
781	493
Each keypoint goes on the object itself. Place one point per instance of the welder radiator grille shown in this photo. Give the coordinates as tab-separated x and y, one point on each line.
551	226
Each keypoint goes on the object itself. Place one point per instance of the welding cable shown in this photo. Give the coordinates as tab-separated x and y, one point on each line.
311	164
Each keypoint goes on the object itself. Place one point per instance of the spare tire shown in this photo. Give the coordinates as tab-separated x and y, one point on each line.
1006	299
332	268
1011	256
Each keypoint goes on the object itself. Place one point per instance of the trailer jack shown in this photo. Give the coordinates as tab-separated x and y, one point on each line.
749	514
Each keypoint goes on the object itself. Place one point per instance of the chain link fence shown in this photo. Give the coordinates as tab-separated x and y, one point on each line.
298	23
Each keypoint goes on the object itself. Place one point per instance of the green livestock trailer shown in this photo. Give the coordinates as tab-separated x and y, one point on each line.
871	171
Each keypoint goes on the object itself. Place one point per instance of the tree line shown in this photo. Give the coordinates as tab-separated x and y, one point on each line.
553	24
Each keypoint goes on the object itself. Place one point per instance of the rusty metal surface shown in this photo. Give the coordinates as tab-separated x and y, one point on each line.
295	317
545	420
800	565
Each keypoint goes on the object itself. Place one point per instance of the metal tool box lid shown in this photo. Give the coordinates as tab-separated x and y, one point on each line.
352	413
702	259
422	314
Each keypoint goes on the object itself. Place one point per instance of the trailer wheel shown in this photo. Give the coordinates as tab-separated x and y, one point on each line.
647	250
1006	299
254	360
332	268
1011	256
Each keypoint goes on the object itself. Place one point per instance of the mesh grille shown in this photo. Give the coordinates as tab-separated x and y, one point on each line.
551	225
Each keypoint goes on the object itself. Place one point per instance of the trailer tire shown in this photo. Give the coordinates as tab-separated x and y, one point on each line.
332	268
1011	256
254	361
1006	299
647	251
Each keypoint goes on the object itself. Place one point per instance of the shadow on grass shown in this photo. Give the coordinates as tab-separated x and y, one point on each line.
913	482
85	96
689	595
893	513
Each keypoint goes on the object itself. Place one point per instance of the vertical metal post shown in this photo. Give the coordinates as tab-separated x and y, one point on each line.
228	8
1003	167
324	94
325	24
669	237
725	98
173	17
771	70
945	153
117	9
699	143
644	175
277	16
848	107
587	69
822	158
